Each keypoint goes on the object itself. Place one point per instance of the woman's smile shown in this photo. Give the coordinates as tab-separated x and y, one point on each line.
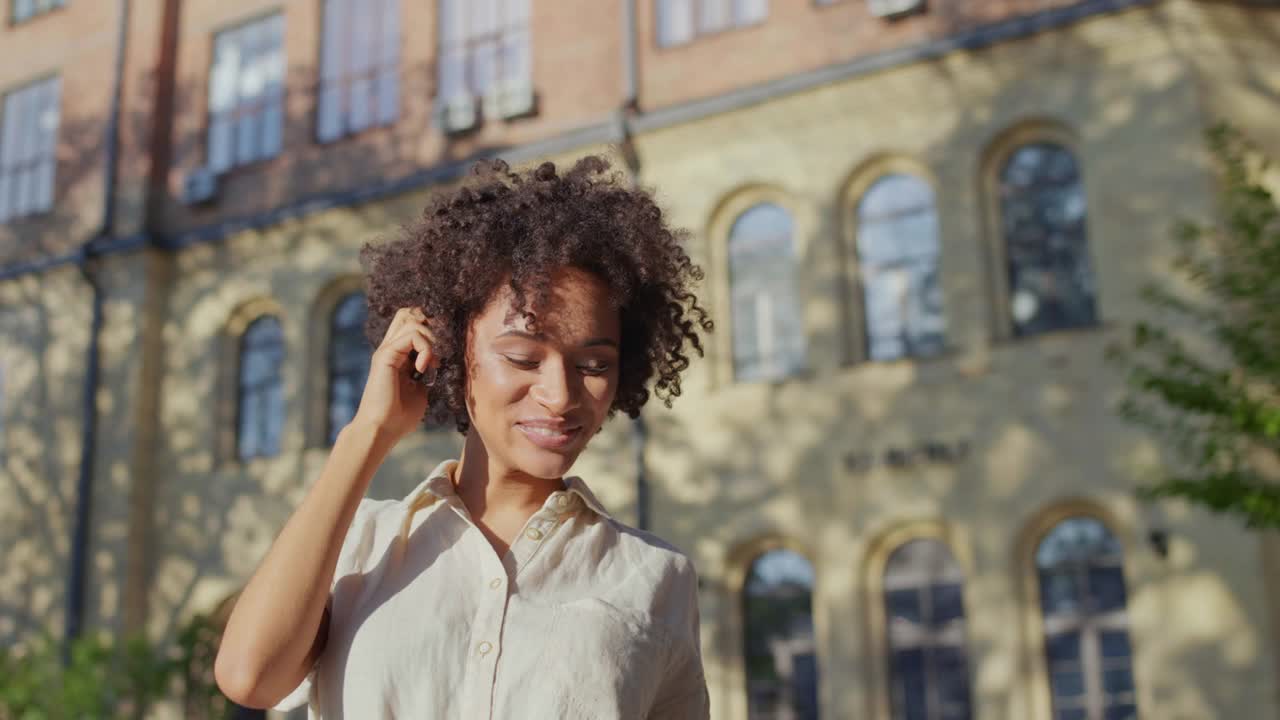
549	435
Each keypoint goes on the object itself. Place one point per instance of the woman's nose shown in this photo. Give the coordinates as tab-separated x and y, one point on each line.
556	389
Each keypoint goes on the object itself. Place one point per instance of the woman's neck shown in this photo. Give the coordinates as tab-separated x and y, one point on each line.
489	489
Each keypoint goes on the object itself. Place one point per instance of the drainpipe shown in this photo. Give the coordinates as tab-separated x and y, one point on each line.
88	440
630	66
639	432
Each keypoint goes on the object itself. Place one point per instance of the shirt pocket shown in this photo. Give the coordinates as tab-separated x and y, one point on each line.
587	659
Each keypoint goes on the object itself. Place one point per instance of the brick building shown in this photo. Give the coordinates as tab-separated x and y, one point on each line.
901	446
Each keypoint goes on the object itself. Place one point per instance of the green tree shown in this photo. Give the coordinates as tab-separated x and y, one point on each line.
1204	373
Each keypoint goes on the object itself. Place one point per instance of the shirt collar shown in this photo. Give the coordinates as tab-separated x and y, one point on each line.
440	484
577	486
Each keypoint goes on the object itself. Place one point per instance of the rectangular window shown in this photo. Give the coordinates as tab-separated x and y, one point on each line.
246	94
28	143
680	21
23	10
359	67
484	49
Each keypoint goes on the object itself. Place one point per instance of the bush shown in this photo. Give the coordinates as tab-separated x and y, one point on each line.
104	677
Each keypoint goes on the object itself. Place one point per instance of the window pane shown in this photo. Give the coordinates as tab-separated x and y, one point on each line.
909	688
261	401
947	605
29	120
349	355
246	121
1119	680
925	608
1076	540
780	652
675	21
768	334
1122	712
746	12
904	605
1083	600
1115	644
1067	683
951	671
898	256
1051	282
388	90
1106	588
713	15
1064	648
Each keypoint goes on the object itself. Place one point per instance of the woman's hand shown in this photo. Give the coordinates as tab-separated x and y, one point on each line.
393	402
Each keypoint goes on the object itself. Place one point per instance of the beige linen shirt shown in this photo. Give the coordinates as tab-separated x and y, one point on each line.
584	617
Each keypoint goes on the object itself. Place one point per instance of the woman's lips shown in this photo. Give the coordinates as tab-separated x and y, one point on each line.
549	438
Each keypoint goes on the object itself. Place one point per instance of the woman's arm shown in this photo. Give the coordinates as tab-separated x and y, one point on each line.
276	633
682	694
277	628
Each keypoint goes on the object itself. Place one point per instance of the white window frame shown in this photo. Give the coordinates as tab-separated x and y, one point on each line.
678	22
359	67
485	57
246	94
29	121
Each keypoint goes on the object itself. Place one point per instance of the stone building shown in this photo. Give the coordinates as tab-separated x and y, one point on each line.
898	469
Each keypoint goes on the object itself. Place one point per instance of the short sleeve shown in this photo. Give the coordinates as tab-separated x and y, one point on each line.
682	694
355	551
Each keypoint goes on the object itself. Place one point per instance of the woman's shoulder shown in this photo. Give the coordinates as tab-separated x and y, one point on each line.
658	557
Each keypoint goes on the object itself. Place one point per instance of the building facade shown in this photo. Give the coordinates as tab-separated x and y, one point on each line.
898	469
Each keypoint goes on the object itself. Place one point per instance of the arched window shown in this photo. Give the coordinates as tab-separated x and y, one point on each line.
924	606
261	399
768	336
898	260
1082	597
780	653
348	361
1042	213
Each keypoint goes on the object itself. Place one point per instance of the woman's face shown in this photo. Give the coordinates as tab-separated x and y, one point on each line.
537	398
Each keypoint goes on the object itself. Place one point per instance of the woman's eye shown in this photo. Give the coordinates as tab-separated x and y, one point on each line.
598	369
521	362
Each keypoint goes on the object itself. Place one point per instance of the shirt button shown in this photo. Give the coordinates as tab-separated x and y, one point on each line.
533	534
562	501
484	648
495	583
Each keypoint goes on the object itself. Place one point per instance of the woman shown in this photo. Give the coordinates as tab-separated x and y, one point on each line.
528	309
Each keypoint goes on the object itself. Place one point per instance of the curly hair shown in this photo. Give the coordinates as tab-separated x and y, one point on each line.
520	227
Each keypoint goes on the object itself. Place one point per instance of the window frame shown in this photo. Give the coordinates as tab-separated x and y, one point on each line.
722	365
277	377
926	638
262	103
375	74
872	571
741	561
492	102
866	180
331	356
30	166
697	32
1088	625
995	158
1036	679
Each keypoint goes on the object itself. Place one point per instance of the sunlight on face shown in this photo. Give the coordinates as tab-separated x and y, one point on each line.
537	397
